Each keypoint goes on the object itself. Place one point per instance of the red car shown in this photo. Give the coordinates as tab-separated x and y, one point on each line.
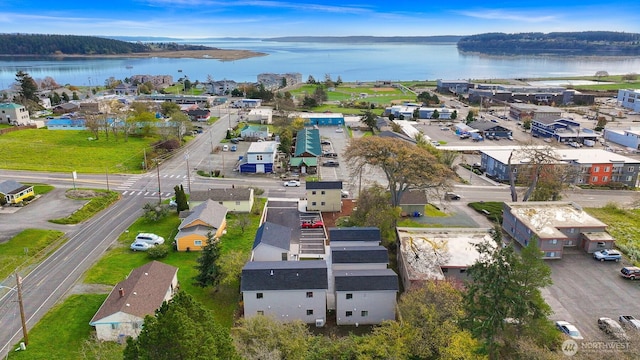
312	224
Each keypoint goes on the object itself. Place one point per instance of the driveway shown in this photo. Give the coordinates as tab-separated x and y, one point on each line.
584	290
52	205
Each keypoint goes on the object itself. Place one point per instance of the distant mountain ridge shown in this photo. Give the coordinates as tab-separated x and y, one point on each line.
369	39
586	43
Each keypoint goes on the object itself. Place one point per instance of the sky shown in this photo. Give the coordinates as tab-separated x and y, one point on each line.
260	19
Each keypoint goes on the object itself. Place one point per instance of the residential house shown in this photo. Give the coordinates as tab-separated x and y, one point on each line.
413	201
263	115
249	132
201	115
629	99
490	129
272	243
14	114
365	296
14	192
125	89
319	119
94	106
260	158
285	290
235	199
201	100
359	257
248	103
354	236
221	87
122	313
563	130
554	225
594	166
427	254
65	108
324	195
206	218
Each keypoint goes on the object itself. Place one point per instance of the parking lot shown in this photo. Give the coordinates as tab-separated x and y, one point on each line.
585	289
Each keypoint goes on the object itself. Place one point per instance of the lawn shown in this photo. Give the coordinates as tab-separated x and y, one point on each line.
494	209
38	244
61	333
352	92
101	201
624	226
70	150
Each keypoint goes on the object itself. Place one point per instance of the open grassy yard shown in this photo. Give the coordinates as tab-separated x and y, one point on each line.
70	150
624	226
40	243
352	92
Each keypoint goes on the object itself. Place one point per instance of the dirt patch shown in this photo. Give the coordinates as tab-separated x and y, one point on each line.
383	89
90	289
330	218
84	194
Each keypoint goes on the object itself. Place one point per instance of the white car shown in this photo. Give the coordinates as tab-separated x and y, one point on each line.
344	193
569	329
294	183
339	130
140	246
149	238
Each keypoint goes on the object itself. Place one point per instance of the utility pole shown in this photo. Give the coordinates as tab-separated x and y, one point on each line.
186	157
22	317
158	169
107	172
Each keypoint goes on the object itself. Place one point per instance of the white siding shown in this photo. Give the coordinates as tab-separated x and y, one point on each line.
286	305
379	305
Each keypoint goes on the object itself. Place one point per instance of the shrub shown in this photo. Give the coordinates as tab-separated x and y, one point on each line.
158	252
216	173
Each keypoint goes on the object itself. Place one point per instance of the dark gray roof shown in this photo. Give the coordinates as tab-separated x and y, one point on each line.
237	194
363	280
485	125
354	234
209	212
414	197
392	134
284	275
323	185
11	186
274	235
359	255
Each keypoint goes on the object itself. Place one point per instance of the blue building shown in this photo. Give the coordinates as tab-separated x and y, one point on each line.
66	124
321	119
562	130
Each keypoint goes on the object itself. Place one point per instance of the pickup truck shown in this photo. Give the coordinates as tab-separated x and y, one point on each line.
629	321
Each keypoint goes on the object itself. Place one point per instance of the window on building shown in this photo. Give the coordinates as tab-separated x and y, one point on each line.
445	270
237	202
322	192
309	294
630	169
322	203
309	312
596	169
197	243
260	312
572	230
628	178
462	271
364	313
551	254
553	241
606	169
115	326
259	157
313	192
348	313
605	178
349	296
313	203
284	256
594	179
259	295
135	325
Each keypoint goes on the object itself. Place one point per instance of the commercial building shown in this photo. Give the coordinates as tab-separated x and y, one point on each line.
14	114
629	99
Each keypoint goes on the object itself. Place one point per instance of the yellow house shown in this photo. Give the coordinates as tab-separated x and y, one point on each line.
14	192
208	217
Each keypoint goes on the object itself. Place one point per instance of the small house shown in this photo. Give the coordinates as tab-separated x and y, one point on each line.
206	218
14	192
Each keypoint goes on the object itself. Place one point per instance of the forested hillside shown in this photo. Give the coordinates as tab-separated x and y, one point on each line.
588	43
43	44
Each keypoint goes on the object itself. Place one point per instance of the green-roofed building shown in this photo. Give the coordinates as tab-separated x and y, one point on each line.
308	143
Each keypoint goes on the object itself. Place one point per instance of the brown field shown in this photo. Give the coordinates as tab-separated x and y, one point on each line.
376	89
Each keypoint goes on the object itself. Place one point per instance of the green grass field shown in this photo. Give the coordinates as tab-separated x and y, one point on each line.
624	226
103	200
351	92
39	244
70	150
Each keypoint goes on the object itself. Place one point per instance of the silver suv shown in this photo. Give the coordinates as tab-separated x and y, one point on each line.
149	238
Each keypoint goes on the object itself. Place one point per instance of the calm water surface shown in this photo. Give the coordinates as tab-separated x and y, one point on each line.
352	62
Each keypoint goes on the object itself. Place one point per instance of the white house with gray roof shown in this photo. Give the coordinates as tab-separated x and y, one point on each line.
236	199
272	243
365	296
285	290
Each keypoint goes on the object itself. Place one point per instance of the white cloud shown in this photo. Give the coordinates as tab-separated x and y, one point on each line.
508	15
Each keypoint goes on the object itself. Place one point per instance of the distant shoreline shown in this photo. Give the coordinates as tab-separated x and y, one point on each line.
213	54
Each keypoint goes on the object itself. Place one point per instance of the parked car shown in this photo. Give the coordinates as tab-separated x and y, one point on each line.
234	141
308	224
234	148
344	194
451	196
339	130
569	329
628	321
607	255
225	148
331	163
150	238
294	183
464	136
140	246
329	154
444	128
612	328
325	142
630	272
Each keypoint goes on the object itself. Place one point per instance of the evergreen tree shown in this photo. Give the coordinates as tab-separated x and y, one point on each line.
74	96
27	87
208	272
181	198
181	329
65	97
